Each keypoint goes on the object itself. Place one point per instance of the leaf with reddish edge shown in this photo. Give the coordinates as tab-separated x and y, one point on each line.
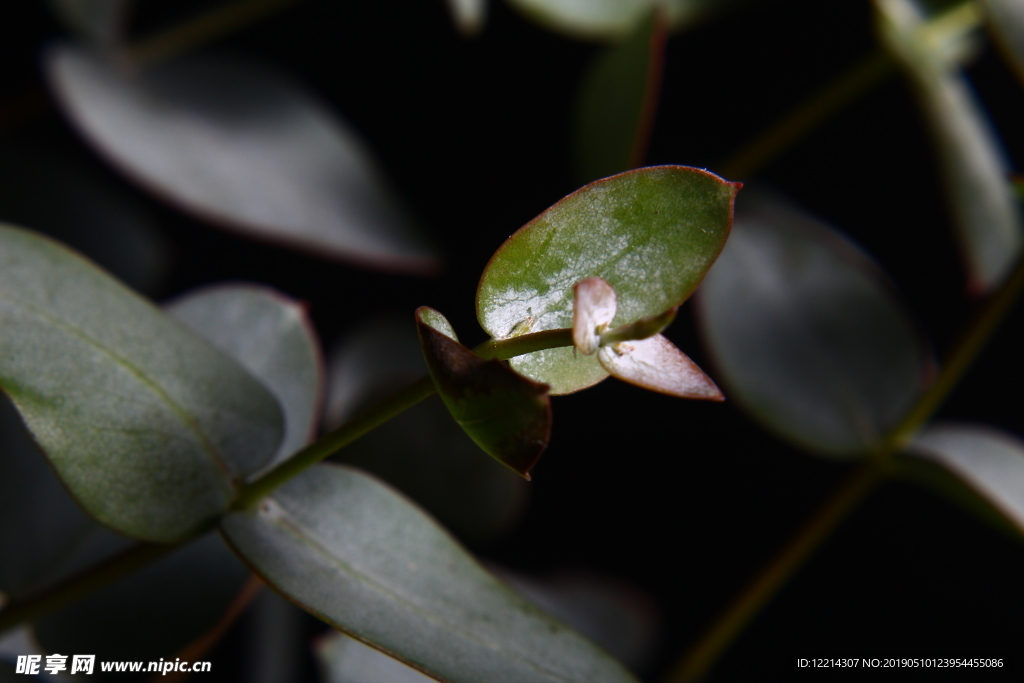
244	146
656	364
617	102
651	234
272	337
506	414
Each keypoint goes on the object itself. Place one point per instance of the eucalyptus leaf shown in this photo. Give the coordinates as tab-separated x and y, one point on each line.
272	337
153	613
616	103
422	452
150	428
365	560
651	233
241	145
806	332
506	414
986	463
610	20
974	168
44	536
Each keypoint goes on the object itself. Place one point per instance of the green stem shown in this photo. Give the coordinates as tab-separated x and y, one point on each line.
144	553
867	73
370	419
331	443
767	583
764	586
965	351
78	586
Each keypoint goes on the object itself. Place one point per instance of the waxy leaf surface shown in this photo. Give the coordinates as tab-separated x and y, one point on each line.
150	427
974	168
270	336
422	452
362	558
616	103
154	612
656	364
243	146
651	233
506	414
806	333
609	19
986	463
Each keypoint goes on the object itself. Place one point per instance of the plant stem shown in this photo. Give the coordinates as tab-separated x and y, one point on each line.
202	29
330	443
767	583
746	606
868	72
964	353
82	584
370	419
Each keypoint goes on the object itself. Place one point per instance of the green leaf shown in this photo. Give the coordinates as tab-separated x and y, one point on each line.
651	233
97	20
617	100
243	146
506	414
366	561
272	337
153	613
984	470
1006	23
149	427
421	452
610	19
806	333
44	536
974	168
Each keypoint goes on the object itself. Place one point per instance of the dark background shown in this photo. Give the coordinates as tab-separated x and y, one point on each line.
683	500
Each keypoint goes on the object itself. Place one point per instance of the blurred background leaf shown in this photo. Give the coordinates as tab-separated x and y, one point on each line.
986	464
806	333
618	98
243	146
975	170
